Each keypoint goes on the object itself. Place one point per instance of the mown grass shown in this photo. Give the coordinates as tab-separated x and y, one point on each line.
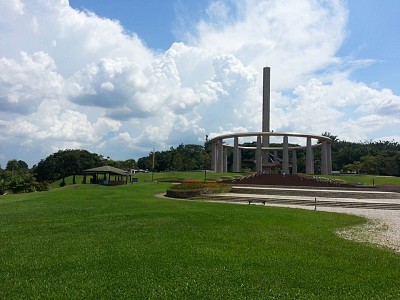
367	179
96	242
182	176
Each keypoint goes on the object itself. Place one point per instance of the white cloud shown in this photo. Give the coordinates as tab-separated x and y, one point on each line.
25	83
289	36
9	8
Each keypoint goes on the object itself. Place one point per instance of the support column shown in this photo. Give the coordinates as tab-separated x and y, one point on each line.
329	158
259	155
225	159
236	155
240	159
324	158
266	112
294	162
285	158
309	158
213	156
220	156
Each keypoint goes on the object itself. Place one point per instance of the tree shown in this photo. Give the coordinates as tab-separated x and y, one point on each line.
65	163
122	164
17	178
334	138
4	181
16	166
183	158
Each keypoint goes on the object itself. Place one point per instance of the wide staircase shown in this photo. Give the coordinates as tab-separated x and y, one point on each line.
303	191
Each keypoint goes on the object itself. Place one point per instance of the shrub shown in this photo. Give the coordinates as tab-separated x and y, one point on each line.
41	186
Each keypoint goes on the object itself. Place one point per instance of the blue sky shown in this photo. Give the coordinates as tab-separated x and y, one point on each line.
373	33
120	77
153	20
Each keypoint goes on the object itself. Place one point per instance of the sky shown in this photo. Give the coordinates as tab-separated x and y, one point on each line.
121	77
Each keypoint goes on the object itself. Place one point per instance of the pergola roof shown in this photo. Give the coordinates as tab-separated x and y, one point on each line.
106	170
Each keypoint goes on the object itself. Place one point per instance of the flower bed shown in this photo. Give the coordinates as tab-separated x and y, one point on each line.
196	189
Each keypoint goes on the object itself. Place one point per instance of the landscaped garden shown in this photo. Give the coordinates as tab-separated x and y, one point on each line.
96	242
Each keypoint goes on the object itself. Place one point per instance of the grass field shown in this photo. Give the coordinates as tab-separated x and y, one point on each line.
96	242
179	176
368	179
159	177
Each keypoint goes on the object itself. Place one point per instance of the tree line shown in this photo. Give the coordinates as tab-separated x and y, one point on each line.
374	158
182	158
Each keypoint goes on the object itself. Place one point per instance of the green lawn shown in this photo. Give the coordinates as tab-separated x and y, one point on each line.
96	242
159	177
368	179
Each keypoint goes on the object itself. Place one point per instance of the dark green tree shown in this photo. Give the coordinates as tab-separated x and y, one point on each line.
66	163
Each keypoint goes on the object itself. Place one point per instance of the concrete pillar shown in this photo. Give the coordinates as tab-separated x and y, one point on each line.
213	156
324	158
266	113
218	160
236	155
329	158
225	159
220	157
216	157
285	155
259	155
294	161
309	158
266	102
240	159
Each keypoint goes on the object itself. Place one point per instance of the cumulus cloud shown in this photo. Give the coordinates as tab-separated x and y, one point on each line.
26	82
289	36
70	78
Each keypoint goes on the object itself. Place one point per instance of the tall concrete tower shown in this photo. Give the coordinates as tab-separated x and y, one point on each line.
266	103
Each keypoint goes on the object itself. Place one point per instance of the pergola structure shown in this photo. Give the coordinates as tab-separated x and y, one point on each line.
107	175
263	164
263	149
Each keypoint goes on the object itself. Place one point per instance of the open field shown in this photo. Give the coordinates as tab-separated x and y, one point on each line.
96	242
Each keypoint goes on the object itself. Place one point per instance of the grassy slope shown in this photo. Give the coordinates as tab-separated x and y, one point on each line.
89	241
161	176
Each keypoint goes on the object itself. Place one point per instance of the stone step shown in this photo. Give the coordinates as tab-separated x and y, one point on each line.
325	203
314	192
